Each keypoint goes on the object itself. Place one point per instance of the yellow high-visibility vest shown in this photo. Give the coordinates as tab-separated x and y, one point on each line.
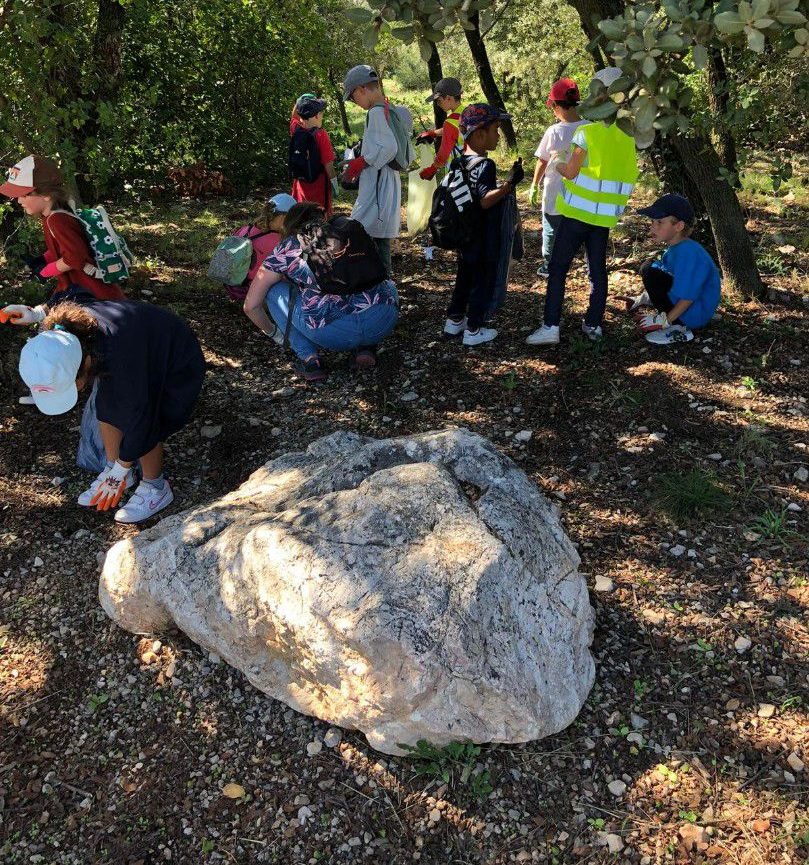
599	193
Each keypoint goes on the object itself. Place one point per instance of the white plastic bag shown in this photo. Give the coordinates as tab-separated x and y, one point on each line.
420	193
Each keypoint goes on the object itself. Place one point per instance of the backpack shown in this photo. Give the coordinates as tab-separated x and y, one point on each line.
231	261
342	256
401	127
113	259
453	218
304	155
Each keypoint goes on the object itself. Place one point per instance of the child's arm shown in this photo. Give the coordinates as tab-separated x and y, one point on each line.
494	195
254	307
448	141
677	310
539	171
572	167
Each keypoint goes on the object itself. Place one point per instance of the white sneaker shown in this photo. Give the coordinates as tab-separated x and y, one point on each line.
542	270
592	333
670	335
26	400
453	328
87	496
545	335
144	503
481	335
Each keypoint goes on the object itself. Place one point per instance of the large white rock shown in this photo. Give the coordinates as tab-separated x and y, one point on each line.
411	588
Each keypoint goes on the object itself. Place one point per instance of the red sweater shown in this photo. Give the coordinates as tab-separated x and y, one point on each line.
65	238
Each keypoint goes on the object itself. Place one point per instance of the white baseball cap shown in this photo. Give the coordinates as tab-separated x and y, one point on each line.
49	364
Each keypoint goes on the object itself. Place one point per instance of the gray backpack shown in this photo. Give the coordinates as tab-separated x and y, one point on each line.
400	122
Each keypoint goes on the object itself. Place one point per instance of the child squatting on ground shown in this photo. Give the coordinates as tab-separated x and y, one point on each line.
476	276
447	95
683	284
597	181
555	146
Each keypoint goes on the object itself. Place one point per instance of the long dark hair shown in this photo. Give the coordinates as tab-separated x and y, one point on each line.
302	216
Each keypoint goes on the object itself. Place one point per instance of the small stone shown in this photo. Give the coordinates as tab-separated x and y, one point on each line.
637	722
801	475
435	815
333	737
732	705
742	644
210	432
304	813
604	584
794	508
635	739
410	396
789	778
233	791
524	435
795	762
657	436
677	550
617	788
715	457
38	563
613	842
766	710
314	748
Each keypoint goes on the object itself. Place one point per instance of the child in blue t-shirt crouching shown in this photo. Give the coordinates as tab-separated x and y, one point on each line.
683	285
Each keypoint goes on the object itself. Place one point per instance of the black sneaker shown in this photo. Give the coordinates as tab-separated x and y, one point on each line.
311	371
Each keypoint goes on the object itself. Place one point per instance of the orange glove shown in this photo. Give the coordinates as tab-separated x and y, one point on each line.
8	316
428	173
111	489
652	322
19	313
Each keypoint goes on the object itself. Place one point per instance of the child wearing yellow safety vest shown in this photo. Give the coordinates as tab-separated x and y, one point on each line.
447	94
597	181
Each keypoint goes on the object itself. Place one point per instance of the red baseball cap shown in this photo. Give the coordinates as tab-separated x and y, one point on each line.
563	90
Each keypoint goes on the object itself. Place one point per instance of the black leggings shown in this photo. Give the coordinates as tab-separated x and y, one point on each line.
657	284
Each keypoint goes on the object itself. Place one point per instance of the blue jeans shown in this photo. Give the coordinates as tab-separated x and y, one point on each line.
357	329
569	237
550	222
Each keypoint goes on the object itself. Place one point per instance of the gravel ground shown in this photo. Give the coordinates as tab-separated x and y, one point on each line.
691	747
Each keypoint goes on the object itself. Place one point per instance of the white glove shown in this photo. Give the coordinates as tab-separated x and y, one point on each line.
18	313
112	487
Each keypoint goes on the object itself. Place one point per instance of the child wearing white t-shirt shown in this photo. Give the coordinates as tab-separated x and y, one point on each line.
562	100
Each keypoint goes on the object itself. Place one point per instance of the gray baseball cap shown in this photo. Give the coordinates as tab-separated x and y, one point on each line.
356	77
446	87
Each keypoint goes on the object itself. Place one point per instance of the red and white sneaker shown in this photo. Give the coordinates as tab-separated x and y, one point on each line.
144	503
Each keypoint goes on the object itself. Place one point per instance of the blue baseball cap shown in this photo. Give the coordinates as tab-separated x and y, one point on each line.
309	105
671	204
478	115
283	202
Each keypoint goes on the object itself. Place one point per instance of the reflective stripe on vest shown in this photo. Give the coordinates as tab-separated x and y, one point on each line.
600	208
611	187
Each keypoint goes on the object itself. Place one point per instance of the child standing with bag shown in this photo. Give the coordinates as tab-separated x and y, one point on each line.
476	278
562	100
311	155
379	199
37	183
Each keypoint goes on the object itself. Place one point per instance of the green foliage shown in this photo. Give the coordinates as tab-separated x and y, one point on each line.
658	47
454	764
199	80
686	495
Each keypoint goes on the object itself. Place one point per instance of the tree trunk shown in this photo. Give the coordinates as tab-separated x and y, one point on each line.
718	97
486	76
733	247
338	92
108	74
436	73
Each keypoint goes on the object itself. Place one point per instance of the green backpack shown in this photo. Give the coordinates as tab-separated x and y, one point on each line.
113	259
400	122
231	261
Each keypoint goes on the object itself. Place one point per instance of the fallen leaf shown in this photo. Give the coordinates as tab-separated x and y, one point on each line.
233	791
760	826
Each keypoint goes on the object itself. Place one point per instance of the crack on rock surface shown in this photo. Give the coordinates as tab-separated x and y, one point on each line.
411	588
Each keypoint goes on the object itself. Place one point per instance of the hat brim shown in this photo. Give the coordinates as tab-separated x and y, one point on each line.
56	403
651	212
11	190
432	97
